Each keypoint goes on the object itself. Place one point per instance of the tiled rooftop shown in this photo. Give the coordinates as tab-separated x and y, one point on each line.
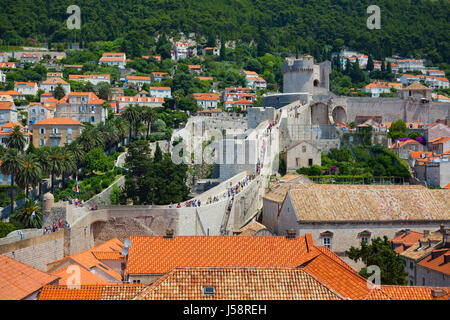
238	284
159	255
18	280
369	203
91	292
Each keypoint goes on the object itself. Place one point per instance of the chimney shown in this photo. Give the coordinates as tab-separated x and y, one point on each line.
447	257
291	234
436	293
169	234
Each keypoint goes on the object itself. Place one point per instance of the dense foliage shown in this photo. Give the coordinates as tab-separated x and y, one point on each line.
408	28
380	253
370	161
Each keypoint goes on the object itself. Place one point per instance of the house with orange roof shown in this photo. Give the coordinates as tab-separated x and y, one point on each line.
7	65
5	131
138	81
205	78
161	92
102	264
118	59
56	131
95	79
403	148
213	51
416	91
39	111
54	75
30	57
82	107
50	85
11	95
440	145
434	270
405	239
26	88
195	68
375	89
183	49
421	252
207	100
159	76
434	170
8	112
19	281
152	102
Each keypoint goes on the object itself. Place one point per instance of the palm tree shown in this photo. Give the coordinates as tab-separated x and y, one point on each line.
55	163
109	133
149	116
76	151
121	126
41	155
31	173
17	139
30	214
67	165
90	139
12	164
133	114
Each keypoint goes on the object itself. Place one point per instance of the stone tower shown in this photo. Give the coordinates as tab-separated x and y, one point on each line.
303	76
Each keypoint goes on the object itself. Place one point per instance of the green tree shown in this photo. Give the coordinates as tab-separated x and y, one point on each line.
30	215
17	139
97	160
12	164
31	173
381	254
59	92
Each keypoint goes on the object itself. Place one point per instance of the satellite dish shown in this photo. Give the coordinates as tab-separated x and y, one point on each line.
124	251
127	243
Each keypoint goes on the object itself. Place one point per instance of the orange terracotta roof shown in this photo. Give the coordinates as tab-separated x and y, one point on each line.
6	105
58	121
25	84
406	240
108	255
194	66
238	284
92	97
138	78
420	154
86	277
440	140
18	280
91	292
159	255
337	277
437	261
447	186
412	292
137	99
205	78
54	81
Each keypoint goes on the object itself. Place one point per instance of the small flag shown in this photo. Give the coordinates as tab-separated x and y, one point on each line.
76	183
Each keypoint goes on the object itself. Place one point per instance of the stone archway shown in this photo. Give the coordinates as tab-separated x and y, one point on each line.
319	114
339	115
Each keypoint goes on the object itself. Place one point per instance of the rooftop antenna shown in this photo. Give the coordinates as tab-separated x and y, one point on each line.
127	243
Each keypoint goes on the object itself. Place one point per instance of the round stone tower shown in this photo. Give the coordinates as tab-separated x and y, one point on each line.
48	202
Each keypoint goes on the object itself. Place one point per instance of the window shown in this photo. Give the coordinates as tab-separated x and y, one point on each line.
55	130
82	109
303	148
69	131
310	162
42	130
411	265
93	108
74	109
423	281
136	281
69	141
208	290
41	142
365	240
92	119
327	242
56	142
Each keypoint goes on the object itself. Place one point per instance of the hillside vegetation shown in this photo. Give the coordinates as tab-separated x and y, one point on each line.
408	28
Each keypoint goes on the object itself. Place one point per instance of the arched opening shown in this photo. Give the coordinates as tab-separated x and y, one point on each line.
339	115
316	83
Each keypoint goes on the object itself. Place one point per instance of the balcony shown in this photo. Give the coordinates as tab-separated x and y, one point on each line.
56	135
